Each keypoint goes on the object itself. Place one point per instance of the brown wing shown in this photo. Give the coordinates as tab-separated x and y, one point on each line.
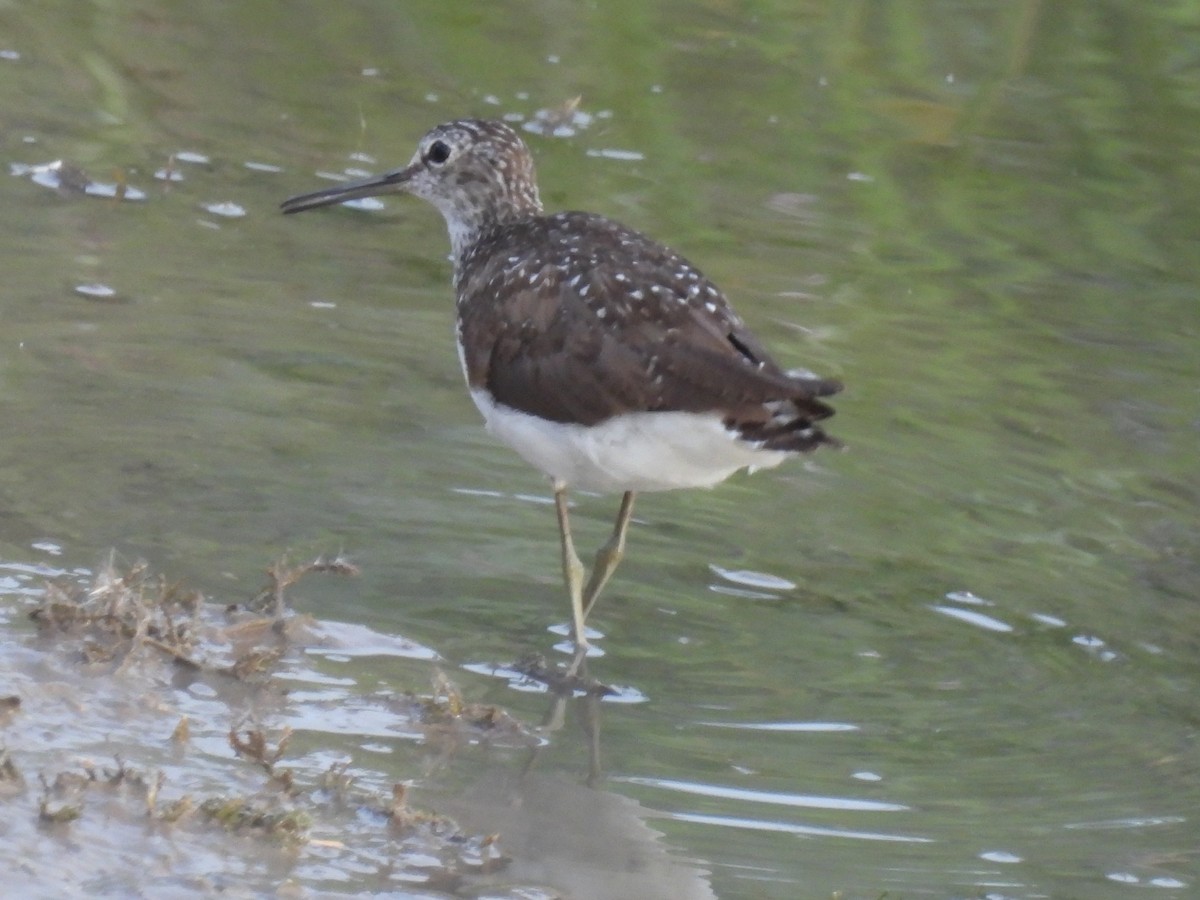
580	335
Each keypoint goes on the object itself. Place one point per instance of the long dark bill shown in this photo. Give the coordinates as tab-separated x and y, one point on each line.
386	183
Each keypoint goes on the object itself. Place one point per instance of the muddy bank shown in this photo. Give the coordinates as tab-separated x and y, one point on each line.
147	752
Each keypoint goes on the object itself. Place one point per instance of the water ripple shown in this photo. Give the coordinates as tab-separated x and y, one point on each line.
794	828
345	639
988	623
775	798
1131	822
789	727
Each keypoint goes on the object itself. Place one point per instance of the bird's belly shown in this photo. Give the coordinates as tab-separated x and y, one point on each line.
641	451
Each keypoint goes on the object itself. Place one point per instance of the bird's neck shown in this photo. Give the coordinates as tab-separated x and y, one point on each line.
470	234
463	238
471	214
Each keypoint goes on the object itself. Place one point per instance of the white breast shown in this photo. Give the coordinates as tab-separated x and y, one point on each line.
643	451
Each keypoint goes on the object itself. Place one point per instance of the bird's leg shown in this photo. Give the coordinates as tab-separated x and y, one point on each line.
572	567
610	555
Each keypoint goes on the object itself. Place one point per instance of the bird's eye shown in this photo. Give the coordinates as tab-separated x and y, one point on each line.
439	152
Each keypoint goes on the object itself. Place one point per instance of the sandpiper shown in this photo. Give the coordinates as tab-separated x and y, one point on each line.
606	360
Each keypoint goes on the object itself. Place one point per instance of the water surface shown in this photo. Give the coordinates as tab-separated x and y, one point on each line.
957	660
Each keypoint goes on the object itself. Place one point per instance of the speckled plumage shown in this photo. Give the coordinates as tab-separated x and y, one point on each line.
605	359
575	318
598	321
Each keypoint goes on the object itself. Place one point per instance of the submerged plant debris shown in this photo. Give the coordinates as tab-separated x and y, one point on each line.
560	679
66	178
111	733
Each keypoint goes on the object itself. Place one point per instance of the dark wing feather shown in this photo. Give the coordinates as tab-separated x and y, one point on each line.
658	337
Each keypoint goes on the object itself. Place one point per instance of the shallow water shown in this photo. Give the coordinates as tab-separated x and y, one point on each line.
957	660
